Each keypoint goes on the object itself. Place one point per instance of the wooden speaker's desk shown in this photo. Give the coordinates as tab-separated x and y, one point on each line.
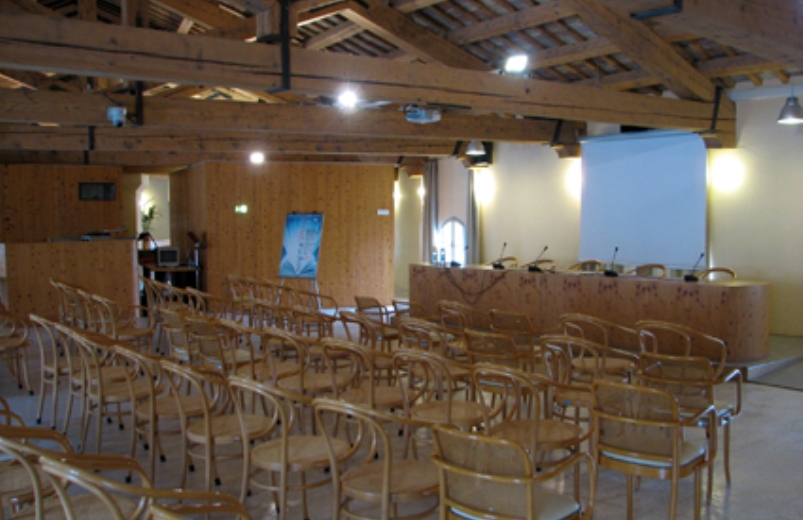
736	311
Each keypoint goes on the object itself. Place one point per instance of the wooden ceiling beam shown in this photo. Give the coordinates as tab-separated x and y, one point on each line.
31	42
342	31
25	106
510	22
143	162
645	48
398	29
148	139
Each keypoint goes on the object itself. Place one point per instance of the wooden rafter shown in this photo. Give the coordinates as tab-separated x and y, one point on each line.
645	48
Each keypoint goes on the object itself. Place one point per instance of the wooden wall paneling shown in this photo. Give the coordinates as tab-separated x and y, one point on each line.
41	202
102	267
357	248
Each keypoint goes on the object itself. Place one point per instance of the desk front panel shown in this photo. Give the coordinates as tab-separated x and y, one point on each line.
736	311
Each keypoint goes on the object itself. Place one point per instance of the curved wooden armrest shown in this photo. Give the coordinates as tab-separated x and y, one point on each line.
570	462
104	462
737	376
23	432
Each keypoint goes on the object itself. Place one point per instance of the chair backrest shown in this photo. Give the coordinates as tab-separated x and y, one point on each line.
675	339
690	379
599	330
562	356
636	422
509	394
459	316
482	475
371	307
174	324
592	266
426	335
649	270
215	341
490	347
716	272
429	379
515	324
210	385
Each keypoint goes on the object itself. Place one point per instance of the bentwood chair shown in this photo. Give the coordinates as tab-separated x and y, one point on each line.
271	464
204	438
512	410
493	478
373	482
639	431
267	348
430	393
675	339
692	381
121	321
516	325
615	343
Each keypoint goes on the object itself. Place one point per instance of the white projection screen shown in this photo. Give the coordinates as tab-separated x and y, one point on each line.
644	193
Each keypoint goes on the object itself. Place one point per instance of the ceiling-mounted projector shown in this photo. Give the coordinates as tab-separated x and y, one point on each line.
416	114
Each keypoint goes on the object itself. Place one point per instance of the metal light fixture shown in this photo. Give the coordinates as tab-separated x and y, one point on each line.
475	148
791	113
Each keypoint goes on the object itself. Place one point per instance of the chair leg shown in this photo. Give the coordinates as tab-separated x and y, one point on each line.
673	498
698	488
630	497
41	406
726	445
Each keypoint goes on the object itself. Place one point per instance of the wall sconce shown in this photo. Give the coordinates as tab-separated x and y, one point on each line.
242	209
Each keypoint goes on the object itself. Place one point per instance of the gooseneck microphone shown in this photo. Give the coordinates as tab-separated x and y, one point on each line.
610	271
533	267
691	277
499	264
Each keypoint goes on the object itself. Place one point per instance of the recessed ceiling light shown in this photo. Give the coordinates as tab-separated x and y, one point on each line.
257	157
517	63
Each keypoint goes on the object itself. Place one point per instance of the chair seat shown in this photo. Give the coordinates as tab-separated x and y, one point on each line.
83	506
410	479
385	397
120	392
304	452
15	482
313	383
612	365
226	428
464	414
551	434
134	333
578	398
263	371
166	406
547	504
691	451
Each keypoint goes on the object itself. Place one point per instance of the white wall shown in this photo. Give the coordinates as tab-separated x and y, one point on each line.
756	228
453	190
407	229
529	204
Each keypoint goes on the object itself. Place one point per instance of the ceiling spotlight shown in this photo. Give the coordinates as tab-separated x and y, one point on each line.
516	64
347	100
475	148
257	158
791	113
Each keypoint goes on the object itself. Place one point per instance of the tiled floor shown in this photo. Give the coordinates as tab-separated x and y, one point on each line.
766	460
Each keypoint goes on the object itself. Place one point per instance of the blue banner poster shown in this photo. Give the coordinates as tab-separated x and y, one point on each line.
302	244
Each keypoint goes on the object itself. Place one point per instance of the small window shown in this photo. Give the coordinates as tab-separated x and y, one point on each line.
97	191
452	238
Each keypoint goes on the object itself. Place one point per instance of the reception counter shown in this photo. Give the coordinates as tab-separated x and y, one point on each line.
733	310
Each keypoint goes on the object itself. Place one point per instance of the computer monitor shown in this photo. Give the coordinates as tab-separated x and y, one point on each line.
167	257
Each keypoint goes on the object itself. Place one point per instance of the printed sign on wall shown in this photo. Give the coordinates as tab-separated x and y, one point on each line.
301	246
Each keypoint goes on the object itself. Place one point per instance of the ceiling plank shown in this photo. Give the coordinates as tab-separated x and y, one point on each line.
510	22
209	15
401	31
645	48
25	106
30	42
772	29
342	31
148	139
